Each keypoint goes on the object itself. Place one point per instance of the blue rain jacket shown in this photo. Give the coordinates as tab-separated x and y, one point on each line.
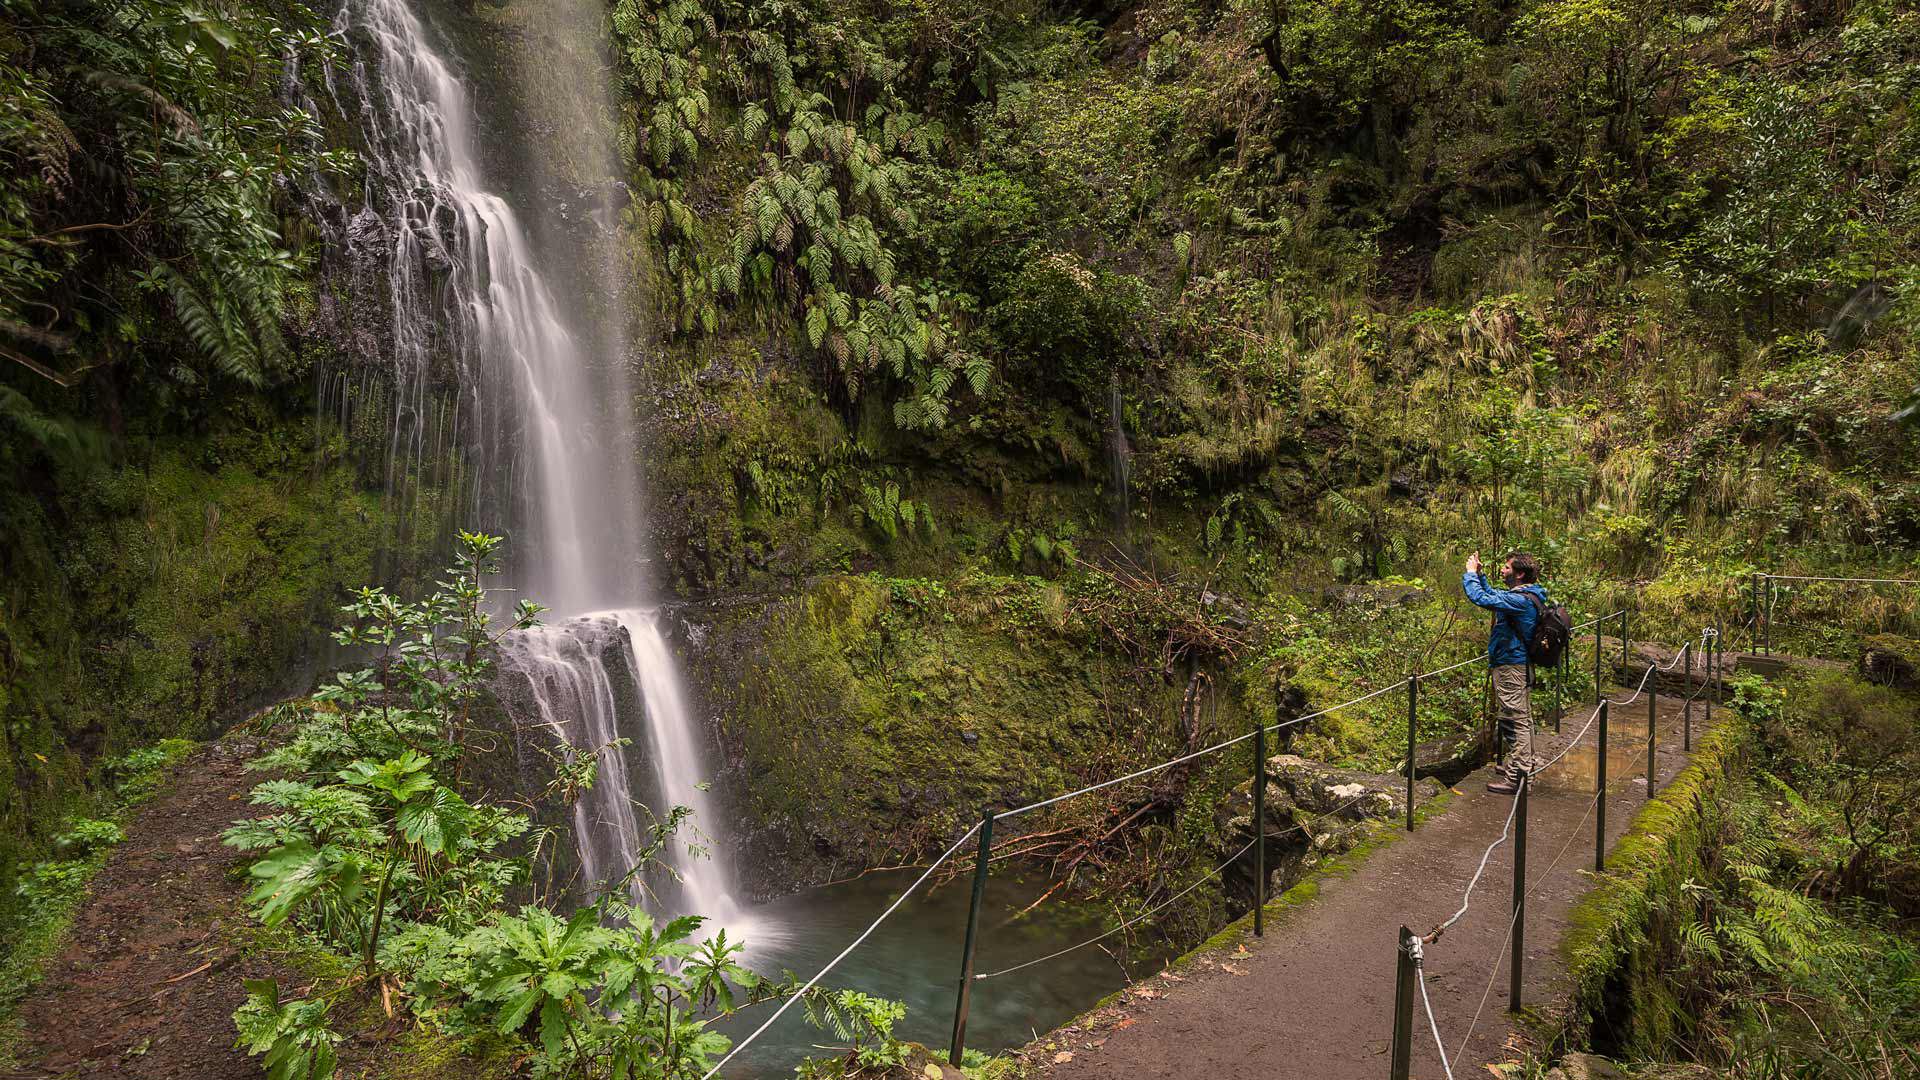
1514	617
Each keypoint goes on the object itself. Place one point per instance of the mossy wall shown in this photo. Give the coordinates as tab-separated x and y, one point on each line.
165	594
868	719
1621	944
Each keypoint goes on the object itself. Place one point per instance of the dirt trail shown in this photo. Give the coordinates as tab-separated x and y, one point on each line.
1314	997
150	975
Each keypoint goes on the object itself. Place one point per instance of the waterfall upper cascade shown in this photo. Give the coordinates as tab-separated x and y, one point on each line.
539	428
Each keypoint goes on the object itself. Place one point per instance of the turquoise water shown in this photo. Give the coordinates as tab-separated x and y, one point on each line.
914	957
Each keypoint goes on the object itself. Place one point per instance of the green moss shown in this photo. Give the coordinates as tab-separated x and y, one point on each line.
1613	951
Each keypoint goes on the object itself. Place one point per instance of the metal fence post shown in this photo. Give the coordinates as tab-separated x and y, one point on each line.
1600	796
1403	991
1713	673
1517	970
1559	685
1413	739
1260	825
1598	625
966	950
1686	730
1653	725
1623	642
1766	617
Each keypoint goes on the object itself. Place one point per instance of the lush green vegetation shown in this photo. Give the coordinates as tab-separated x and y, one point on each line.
1359	288
1758	921
377	854
174	522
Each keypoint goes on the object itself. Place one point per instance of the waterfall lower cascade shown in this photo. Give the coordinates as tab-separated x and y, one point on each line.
539	431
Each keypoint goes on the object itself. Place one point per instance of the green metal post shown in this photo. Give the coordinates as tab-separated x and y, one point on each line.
1713	674
1653	727
1260	825
1600	797
1406	971
1686	730
1517	967
1559	684
1413	740
1766	617
1623	643
966	950
1597	625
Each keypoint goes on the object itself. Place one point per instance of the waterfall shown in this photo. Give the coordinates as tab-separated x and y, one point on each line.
539	432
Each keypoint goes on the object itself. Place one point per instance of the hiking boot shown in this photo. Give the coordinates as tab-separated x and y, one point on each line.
1503	785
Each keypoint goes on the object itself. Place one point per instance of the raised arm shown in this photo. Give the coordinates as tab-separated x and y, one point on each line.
1480	593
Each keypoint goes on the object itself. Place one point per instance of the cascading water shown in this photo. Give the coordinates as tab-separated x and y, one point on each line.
540	428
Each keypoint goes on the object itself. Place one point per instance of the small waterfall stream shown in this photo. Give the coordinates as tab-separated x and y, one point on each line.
540	429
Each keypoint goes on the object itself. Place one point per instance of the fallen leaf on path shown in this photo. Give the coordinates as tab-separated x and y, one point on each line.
1231	970
1241	952
1063	1057
931	1072
1127	1023
1143	992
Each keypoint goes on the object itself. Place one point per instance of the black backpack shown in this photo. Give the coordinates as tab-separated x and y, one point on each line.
1552	626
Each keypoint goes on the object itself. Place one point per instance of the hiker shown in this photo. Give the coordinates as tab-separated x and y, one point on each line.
1512	645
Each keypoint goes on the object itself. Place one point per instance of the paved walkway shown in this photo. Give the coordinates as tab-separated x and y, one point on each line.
1314	997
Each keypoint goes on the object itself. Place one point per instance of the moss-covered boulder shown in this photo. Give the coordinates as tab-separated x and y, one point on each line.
1891	660
1312	812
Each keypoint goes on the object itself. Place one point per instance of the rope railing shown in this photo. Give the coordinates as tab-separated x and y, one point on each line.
844	953
1257	734
1413	954
1300	826
1842	580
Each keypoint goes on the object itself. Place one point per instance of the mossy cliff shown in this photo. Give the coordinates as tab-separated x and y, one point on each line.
866	719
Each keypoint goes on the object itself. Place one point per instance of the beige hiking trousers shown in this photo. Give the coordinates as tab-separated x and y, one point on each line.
1513	707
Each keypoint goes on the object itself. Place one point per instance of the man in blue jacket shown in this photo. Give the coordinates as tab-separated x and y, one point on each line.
1514	617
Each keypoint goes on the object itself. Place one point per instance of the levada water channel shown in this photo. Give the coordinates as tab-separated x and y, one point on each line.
486	280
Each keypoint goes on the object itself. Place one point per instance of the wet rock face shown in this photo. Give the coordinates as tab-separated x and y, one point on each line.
1313	812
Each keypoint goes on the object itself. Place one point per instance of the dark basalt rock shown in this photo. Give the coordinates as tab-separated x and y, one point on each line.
1313	812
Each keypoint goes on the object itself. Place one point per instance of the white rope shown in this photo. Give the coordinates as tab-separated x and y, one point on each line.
1148	771
831	964
1235	741
1466	899
1204	878
1300	826
1454	667
1845	580
1420	970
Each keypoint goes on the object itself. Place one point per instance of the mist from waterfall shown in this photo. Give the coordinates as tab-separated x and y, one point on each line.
540	433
